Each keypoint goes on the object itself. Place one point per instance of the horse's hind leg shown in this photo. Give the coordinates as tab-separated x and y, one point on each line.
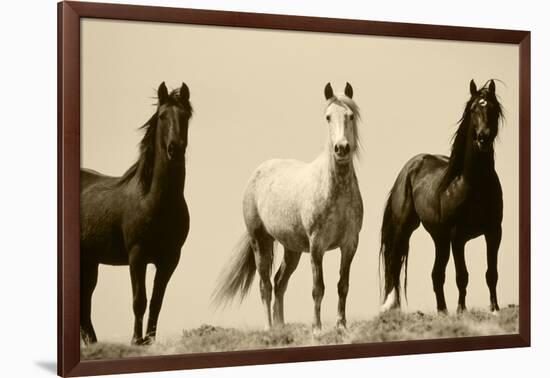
399	222
347	254
442	253
262	245
88	281
493	243
288	266
399	251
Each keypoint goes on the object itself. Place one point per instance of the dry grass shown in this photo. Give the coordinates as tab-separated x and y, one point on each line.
391	326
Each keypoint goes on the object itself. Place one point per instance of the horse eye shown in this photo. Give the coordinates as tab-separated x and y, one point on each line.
328	117
352	117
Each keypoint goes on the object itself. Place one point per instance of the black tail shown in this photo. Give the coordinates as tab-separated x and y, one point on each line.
238	277
394	251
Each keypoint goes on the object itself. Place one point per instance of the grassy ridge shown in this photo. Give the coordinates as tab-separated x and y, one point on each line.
390	326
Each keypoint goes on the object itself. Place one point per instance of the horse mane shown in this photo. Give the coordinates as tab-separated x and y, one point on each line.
345	101
460	137
147	145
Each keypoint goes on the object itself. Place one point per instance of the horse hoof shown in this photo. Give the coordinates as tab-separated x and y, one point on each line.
391	303
461	310
341	325
88	341
145	341
87	338
148	340
495	312
443	312
389	307
316	331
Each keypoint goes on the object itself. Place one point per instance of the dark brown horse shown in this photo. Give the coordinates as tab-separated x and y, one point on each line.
140	218
456	199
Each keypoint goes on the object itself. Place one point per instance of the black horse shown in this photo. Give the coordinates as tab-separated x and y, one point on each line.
140	218
456	199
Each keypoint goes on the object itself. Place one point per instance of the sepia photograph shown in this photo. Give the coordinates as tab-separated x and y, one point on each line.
251	189
275	188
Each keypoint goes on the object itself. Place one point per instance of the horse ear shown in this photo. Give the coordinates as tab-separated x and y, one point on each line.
162	93
328	91
184	92
349	90
492	87
473	87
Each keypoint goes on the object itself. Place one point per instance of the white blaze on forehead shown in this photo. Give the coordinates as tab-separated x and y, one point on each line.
342	114
335	106
339	112
482	102
339	131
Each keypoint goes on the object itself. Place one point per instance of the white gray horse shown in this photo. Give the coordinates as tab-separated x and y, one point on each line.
312	208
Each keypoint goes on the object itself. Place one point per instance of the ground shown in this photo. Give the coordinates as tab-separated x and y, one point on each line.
390	326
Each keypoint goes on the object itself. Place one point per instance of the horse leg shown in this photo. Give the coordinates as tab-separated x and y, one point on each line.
88	281
263	256
346	257
318	285
288	266
461	273
162	276
442	253
138	270
492	240
398	255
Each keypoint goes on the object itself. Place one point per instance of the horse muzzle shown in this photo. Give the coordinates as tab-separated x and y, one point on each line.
483	143
175	151
342	151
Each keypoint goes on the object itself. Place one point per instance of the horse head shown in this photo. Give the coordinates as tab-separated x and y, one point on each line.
484	113
173	114
341	115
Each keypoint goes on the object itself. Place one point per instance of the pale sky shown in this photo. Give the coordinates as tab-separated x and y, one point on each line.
257	95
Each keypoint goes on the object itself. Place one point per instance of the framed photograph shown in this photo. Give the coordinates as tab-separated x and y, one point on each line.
240	188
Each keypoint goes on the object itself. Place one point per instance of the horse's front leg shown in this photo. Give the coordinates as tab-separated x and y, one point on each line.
318	285
442	253
162	276
347	254
138	270
461	272
491	276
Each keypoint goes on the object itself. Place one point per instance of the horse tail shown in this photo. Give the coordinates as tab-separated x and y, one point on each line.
238	276
397	228
387	255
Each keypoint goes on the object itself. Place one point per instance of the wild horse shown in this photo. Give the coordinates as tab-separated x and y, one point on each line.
311	208
140	218
456	199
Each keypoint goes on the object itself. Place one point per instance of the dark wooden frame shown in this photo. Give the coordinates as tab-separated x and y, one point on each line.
69	16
